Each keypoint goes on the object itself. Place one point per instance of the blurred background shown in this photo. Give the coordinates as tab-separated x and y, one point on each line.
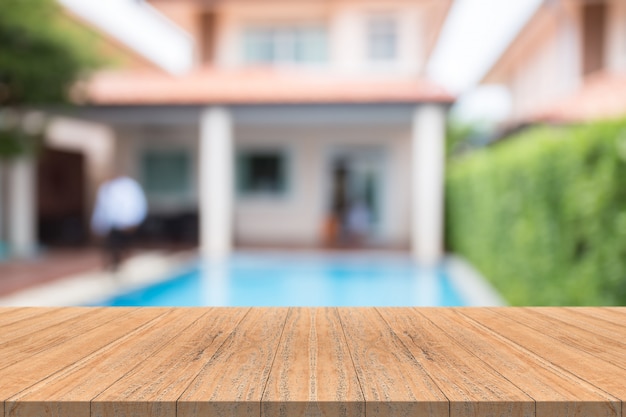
479	143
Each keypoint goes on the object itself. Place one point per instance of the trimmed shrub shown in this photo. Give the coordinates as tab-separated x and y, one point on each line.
543	215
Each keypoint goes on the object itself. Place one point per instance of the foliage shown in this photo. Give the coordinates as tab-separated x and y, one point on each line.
456	134
463	136
15	142
543	215
41	56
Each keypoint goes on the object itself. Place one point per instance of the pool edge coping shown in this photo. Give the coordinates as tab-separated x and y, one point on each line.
91	287
474	289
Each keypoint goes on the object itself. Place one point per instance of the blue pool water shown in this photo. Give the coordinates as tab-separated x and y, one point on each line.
299	280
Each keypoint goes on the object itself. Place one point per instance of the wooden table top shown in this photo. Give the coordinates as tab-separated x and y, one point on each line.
430	362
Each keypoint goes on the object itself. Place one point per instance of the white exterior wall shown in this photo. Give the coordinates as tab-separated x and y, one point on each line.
616	36
551	67
346	24
297	217
132	142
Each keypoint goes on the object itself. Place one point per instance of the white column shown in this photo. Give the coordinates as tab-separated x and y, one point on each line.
428	183
22	210
216	183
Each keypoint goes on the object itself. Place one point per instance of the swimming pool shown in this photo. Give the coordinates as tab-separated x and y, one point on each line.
299	280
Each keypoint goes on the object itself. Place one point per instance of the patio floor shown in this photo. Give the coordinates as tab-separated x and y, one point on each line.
58	264
465	362
16	275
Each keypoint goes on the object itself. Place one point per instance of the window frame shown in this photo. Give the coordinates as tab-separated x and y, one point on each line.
373	19
284	152
281	37
159	196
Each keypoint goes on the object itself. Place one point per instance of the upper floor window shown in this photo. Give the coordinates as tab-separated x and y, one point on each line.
382	38
285	44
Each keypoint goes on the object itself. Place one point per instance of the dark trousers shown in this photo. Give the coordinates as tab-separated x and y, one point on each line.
117	243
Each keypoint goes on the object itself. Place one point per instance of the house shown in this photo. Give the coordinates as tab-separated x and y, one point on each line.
295	120
567	64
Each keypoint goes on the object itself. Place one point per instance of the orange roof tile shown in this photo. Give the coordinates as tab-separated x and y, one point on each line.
255	86
602	96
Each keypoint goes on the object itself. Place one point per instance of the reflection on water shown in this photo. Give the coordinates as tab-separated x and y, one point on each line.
214	280
428	288
253	280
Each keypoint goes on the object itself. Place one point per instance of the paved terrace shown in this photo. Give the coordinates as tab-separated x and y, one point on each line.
312	362
16	275
64	277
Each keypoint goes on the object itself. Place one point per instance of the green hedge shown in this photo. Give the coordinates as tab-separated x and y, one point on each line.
543	215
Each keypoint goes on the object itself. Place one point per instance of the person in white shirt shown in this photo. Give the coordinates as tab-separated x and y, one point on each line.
120	208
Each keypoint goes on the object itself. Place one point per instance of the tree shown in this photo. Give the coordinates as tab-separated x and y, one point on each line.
41	56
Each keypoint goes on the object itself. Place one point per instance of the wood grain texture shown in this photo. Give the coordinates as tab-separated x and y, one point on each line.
327	362
313	374
557	393
11	315
75	386
154	387
602	374
612	315
584	340
591	323
232	382
37	336
47	360
26	360
472	387
39	331
394	383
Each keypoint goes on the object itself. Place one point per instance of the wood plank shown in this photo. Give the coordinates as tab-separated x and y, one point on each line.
603	347
43	333
326	361
232	382
73	388
586	366
9	315
615	316
394	383
34	324
47	360
313	374
152	388
472	387
590	323
557	392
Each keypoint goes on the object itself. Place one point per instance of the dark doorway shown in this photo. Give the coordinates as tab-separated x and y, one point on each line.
61	198
356	180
